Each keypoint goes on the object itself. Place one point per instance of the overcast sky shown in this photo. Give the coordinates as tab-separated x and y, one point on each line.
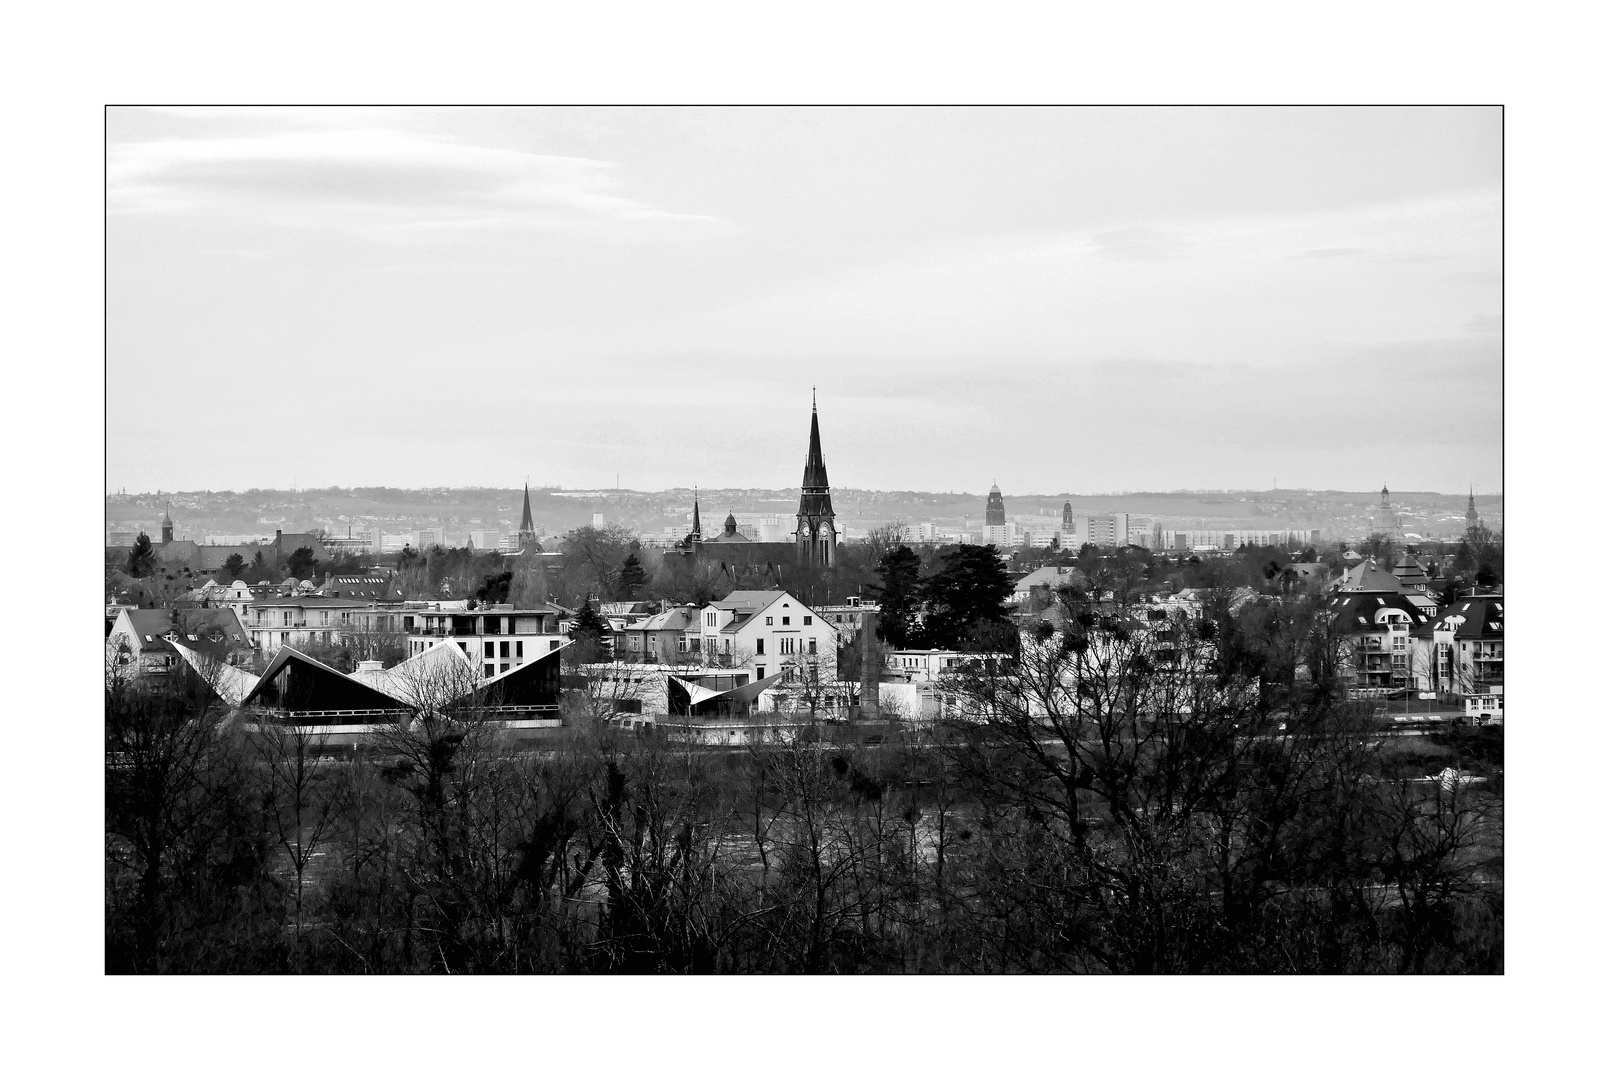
1055	299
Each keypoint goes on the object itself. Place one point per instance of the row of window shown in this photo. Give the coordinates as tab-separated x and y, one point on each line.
787	646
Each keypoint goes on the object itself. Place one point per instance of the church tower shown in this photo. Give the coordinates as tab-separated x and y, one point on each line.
994	510
167	524
527	525
817	535
1471	518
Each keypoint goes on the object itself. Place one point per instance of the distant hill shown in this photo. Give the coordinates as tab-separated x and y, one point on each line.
459	510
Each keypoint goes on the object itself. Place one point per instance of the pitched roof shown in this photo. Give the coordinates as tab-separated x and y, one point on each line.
1356	612
750	600
1368	578
1471	618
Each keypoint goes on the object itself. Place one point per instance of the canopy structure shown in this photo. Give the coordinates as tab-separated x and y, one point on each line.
440	674
439	678
232	684
690	699
296	683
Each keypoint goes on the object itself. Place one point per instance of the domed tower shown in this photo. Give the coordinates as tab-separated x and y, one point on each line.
817	535
994	511
167	525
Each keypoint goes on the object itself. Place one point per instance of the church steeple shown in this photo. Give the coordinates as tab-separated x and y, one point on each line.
167	525
697	535
1471	518
817	535
527	523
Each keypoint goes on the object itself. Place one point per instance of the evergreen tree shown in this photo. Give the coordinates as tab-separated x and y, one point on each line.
494	588
260	570
899	597
594	641
142	559
301	564
234	566
966	599
632	578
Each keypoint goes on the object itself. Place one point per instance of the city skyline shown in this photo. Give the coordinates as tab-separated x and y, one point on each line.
1151	299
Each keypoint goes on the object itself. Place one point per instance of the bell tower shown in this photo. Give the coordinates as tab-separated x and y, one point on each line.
817	535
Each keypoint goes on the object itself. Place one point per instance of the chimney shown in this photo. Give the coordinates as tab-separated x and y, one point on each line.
870	666
370	665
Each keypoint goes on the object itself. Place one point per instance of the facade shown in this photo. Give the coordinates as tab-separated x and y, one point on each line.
1460	653
659	639
1374	629
496	638
298	620
849	616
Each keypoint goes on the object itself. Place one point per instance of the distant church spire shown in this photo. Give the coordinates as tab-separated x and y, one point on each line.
817	534
526	522
1471	518
167	525
697	533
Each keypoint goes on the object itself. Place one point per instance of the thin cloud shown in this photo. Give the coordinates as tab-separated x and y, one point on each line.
374	179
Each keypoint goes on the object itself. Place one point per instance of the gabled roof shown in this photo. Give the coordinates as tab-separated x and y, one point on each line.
1050	577
750	600
1368	578
678	618
737	624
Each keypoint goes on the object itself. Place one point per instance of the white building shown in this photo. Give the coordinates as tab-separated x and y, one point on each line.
496	638
763	631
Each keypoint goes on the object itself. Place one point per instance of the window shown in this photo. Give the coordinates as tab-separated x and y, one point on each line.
759	671
768	620
812	649
807	620
785	646
759	646
519	649
490	650
490	670
503	667
502	651
784	620
464	645
552	645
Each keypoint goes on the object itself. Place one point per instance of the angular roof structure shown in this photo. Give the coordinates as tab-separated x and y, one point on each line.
231	683
296	682
689	699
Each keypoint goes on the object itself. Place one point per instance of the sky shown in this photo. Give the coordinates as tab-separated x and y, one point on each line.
1085	300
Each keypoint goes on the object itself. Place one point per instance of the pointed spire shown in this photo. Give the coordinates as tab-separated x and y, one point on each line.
697	532
815	472
166	519
527	524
